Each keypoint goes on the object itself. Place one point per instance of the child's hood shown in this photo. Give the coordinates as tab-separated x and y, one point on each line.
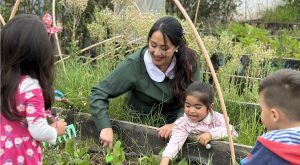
290	153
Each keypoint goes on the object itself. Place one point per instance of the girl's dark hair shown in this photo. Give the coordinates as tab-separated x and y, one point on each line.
185	57
25	50
203	91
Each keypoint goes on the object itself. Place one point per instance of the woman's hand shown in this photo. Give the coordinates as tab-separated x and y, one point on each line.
165	131
204	138
60	126
106	138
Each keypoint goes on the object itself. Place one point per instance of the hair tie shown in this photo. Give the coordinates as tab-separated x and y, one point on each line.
183	33
47	19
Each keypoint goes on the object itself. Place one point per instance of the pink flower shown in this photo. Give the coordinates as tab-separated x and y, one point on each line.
25	139
20	159
8	162
8	144
39	150
29	95
1	152
2	138
29	152
30	109
33	142
21	107
8	128
18	141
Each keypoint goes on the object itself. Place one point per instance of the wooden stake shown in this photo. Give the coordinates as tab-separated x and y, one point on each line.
212	70
197	10
15	8
56	37
2	20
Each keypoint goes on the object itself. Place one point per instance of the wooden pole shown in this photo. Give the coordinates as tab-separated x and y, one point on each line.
212	70
15	8
197	10
2	20
56	37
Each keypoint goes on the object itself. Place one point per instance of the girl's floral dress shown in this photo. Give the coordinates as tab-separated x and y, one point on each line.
17	145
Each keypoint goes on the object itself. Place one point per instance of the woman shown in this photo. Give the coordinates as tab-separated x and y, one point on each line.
155	76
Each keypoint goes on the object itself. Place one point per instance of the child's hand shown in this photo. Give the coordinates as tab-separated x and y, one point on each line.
60	126
204	138
165	131
164	161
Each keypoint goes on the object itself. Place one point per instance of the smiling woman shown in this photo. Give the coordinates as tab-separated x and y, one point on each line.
161	50
154	79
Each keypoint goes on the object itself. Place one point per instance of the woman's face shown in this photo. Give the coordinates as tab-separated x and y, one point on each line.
194	109
161	52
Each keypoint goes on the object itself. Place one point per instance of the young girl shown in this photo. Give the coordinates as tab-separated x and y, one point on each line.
198	118
27	64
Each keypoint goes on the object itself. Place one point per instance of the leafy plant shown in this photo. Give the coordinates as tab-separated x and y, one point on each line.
284	13
75	155
117	157
286	46
148	160
248	34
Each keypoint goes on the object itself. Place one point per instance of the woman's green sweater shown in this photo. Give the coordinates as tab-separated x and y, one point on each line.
144	94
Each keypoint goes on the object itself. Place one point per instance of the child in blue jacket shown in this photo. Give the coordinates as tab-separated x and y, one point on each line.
279	96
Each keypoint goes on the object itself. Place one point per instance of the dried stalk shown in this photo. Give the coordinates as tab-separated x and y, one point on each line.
215	79
99	43
97	57
61	60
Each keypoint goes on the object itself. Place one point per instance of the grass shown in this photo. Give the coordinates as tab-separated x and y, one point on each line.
245	120
76	86
282	14
78	80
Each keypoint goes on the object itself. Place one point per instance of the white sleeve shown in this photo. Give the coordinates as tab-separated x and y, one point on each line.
179	136
40	130
220	131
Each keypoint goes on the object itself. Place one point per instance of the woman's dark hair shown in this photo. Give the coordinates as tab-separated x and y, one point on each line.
185	57
25	50
203	91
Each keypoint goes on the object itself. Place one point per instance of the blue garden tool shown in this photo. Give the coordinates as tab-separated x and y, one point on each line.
71	132
59	96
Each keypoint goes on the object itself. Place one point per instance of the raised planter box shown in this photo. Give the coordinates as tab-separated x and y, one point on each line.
143	140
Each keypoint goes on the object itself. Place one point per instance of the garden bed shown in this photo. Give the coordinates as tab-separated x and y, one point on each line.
142	140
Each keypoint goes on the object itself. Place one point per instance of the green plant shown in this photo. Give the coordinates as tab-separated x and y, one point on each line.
78	81
69	153
149	160
248	34
117	157
286	46
281	14
75	155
